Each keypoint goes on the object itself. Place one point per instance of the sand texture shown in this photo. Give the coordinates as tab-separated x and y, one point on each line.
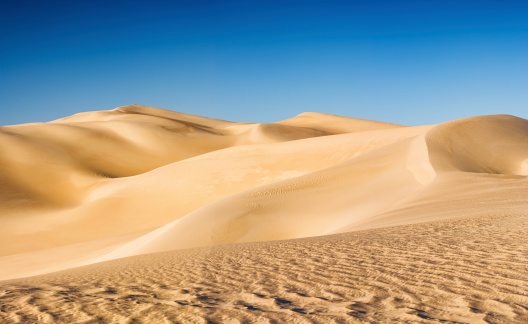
144	215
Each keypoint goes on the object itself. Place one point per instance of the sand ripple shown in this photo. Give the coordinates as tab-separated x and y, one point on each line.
465	271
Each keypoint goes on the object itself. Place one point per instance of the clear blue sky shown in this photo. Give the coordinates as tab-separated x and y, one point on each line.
409	62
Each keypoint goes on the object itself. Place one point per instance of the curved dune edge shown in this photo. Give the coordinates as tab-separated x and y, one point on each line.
126	184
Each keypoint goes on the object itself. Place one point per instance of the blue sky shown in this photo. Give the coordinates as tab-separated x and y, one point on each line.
407	62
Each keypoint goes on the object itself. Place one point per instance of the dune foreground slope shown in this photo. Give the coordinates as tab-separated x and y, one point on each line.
145	215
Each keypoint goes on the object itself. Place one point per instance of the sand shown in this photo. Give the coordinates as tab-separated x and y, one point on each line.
140	214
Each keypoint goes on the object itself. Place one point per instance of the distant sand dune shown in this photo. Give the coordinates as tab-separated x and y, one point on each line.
351	220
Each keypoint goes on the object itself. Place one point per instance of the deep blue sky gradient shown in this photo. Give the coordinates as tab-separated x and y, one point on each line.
407	62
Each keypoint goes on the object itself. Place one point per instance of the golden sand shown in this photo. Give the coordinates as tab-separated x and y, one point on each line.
145	215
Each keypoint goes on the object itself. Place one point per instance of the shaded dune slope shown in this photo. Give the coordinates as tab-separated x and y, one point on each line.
485	144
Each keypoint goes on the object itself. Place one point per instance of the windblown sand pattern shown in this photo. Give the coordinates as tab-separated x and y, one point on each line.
143	215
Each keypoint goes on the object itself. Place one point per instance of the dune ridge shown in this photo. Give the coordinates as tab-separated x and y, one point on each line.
101	191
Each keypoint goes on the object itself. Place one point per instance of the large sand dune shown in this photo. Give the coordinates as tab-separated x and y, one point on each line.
159	216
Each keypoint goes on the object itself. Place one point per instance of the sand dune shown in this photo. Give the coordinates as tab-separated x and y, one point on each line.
102	206
336	124
153	212
340	196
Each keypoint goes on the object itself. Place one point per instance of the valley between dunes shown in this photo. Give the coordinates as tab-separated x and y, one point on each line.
145	215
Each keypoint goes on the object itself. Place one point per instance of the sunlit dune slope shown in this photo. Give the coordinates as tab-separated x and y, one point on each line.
78	189
335	124
137	180
352	192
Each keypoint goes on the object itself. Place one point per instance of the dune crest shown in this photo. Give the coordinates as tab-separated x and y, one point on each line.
335	124
99	190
